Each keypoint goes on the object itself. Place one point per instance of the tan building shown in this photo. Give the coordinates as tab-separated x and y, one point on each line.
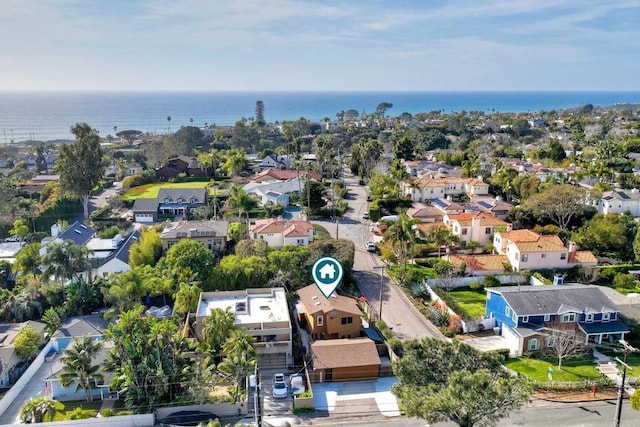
212	234
344	359
329	318
263	313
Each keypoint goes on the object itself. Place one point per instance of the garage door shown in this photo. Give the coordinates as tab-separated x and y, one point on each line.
276	360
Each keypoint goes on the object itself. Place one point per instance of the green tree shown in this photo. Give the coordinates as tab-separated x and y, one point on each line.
609	235
235	162
382	108
80	164
20	228
188	259
79	368
83	296
27	342
441	381
559	203
240	360
53	318
28	259
313	195
186	140
186	299
402	238
147	250
240	200
39	409
260	113
147	360
216	330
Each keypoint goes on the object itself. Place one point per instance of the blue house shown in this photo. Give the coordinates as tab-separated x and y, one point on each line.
527	315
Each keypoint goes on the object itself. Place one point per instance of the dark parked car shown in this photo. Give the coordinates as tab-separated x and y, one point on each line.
187	418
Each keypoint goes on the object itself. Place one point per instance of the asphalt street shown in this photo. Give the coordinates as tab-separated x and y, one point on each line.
397	310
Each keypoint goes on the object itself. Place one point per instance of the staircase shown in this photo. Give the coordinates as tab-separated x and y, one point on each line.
609	368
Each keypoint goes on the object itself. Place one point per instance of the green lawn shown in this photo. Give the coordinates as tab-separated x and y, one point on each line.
626	291
320	233
472	302
577	369
150	191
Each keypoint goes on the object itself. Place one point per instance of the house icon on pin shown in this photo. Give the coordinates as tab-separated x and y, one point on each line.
328	271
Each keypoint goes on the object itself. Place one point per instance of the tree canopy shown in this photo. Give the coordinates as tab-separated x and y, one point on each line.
80	164
442	381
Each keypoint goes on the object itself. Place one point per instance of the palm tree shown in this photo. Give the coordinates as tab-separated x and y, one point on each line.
169	120
239	199
216	328
78	366
402	237
56	262
240	361
36	409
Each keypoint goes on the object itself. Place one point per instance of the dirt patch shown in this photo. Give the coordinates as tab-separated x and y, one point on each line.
575	396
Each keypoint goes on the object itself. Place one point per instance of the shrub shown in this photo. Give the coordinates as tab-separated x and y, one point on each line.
490	281
440	317
626	281
109	232
475	285
448	332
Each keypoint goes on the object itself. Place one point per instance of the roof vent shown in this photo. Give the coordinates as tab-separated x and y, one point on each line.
83	226
264	307
317	303
77	231
241	307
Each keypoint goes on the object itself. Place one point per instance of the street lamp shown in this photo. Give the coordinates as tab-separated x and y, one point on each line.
381	268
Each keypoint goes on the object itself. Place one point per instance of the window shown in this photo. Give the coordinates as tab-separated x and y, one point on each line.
547	317
487	230
563	255
533	344
543	256
514	317
507	311
464	231
320	320
606	317
551	340
589	318
568	318
525	319
524	257
346	320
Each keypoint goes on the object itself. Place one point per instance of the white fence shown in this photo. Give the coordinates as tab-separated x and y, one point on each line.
142	420
461	282
15	390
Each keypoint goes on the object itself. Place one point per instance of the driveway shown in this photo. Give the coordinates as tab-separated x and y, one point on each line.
397	310
356	397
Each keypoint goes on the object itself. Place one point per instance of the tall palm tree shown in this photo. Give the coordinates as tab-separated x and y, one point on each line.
239	199
402	237
36	409
169	120
79	368
216	329
241	359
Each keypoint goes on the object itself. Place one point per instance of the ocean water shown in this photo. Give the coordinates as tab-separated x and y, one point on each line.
49	115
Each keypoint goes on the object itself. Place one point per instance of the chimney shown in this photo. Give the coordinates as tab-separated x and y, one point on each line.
56	230
572	247
509	227
117	239
475	224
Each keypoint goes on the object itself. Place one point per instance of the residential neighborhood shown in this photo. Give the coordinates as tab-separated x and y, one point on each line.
194	267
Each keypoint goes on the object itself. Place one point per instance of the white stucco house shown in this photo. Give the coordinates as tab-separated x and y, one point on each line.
277	232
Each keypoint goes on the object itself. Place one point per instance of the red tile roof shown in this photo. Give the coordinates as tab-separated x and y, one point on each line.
286	174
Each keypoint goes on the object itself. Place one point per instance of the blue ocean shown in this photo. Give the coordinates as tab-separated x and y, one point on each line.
49	116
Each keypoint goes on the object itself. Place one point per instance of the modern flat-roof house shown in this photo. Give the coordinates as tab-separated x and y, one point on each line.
527	250
262	313
211	234
528	315
329	318
344	359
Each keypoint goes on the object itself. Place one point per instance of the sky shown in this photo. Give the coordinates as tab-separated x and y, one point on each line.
315	45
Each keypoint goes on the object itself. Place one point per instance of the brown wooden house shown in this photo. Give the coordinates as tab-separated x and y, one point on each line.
329	318
344	360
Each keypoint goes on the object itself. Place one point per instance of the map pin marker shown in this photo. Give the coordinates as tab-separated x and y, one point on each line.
327	272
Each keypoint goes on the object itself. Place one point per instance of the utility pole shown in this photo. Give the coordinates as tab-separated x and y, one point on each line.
381	268
626	348
215	204
257	409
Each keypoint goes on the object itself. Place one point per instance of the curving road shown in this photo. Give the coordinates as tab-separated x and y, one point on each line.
397	310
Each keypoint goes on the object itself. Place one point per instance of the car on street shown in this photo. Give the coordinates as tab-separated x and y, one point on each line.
365	215
12	239
296	382
279	387
371	247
